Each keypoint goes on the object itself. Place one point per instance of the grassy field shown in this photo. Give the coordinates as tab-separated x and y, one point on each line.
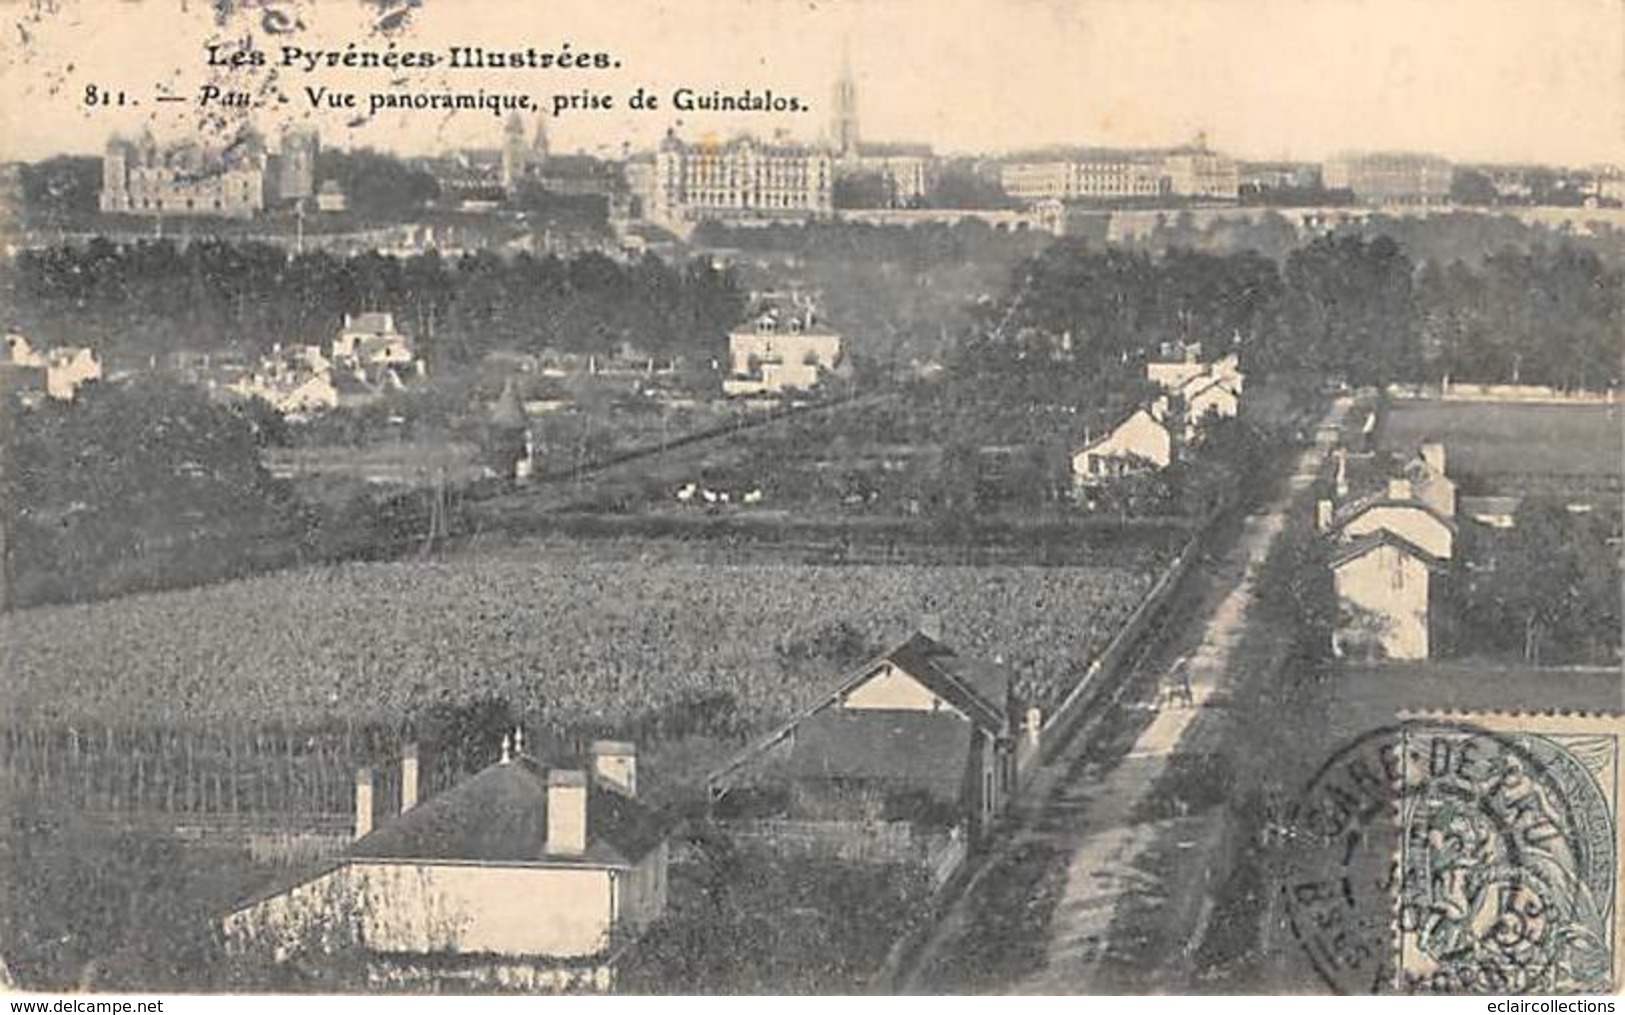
1490	439
565	637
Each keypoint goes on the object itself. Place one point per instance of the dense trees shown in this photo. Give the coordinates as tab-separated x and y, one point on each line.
864	190
61	189
152	298
378	186
1343	305
1546	589
959	185
130	486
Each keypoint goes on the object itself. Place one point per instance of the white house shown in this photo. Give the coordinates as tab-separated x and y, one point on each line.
1180	363
1390	549
297	381
782	348
1207	395
522	876
67	368
1383	584
1142	441
370	339
1398	510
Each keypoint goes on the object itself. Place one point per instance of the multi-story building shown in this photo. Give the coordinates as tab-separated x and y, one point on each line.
139	178
1191	171
908	170
782	347
740	179
1085	175
1387	178
1199	172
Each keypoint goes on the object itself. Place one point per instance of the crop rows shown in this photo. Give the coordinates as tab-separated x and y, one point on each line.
567	641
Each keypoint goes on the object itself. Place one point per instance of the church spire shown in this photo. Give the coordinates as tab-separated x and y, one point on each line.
845	133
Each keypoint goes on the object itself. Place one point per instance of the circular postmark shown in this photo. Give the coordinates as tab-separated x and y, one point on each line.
1437	856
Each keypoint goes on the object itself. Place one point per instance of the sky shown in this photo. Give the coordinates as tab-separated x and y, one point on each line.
1474	80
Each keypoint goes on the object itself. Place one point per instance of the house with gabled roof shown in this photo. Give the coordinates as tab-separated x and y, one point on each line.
1141	441
1384	585
1391	550
523	875
1180	363
371	340
1396	508
919	734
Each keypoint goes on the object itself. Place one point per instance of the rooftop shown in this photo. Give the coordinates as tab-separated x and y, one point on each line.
913	750
500	815
980	690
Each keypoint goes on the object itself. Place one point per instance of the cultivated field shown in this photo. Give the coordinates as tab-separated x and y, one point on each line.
1490	439
569	640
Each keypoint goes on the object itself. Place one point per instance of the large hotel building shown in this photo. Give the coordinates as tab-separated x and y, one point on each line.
739	179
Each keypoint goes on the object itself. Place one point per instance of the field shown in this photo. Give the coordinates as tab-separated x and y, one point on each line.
566	638
1492	439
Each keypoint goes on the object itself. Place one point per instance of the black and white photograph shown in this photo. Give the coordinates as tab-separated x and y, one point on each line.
849	497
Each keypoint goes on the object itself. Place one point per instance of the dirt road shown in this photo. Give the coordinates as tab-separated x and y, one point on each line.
1104	884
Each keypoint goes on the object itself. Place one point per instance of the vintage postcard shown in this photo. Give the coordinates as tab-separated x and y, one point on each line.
855	497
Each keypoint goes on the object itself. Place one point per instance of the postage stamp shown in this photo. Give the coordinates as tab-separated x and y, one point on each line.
1463	853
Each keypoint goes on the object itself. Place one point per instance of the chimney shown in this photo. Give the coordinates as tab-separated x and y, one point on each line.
409	777
1433	453
931	625
363	801
1399	489
1323	515
1342	473
566	812
615	766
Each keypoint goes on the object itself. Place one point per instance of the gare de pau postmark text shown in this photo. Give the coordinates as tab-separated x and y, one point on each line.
1460	856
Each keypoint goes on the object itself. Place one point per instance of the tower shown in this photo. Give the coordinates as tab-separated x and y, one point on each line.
115	176
538	147
515	156
845	133
296	176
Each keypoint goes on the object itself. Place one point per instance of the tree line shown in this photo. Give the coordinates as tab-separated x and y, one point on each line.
1346	306
157	297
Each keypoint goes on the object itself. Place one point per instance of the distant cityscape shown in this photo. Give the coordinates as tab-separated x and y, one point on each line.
746	179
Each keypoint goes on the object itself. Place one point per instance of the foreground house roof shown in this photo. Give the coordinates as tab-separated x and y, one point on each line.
978	690
917	750
500	815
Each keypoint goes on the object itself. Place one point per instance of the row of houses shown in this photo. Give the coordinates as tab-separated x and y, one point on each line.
1151	436
367	358
542	874
1391	524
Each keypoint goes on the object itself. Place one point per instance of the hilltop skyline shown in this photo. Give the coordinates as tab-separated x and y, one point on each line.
1471	80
